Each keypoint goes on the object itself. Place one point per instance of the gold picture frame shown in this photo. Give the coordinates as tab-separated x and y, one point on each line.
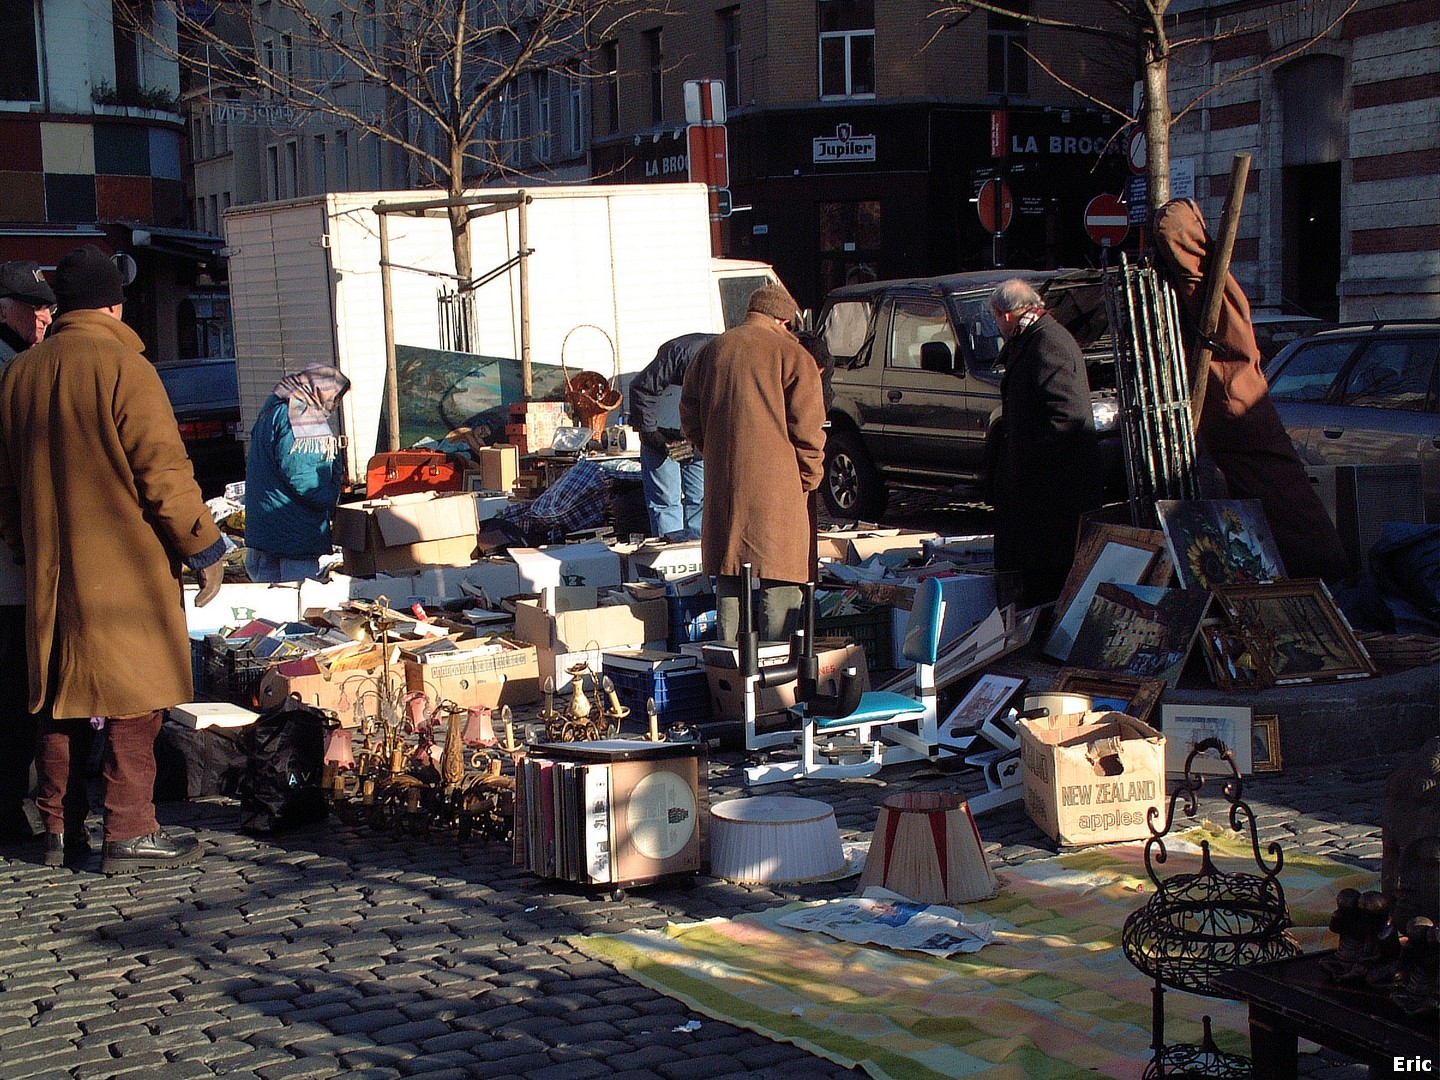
1299	634
1265	744
1129	694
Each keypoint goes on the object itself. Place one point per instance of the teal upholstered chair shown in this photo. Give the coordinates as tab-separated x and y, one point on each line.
887	727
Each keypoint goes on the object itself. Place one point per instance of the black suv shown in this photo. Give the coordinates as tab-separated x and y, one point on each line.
205	395
917	386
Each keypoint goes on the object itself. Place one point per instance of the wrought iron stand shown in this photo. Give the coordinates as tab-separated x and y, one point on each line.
1199	925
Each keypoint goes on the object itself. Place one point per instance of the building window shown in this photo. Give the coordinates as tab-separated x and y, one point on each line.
730	35
657	75
847	48
575	114
342	161
544	142
214	214
200	213
610	84
127	46
509	128
320	170
292	168
272	154
19	52
1009	67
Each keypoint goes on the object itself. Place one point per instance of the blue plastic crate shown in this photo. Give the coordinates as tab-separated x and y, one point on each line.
679	695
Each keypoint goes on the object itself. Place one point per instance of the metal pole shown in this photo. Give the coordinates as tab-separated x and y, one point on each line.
387	309
527	380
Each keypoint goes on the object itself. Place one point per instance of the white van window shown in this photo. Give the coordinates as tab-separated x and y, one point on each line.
845	327
735	296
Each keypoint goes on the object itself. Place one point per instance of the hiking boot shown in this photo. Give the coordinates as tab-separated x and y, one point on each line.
66	849
151	852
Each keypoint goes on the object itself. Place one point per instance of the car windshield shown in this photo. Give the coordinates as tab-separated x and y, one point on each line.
197	386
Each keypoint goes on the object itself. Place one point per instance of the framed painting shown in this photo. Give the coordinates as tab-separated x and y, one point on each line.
983	701
1298	633
1186	726
1265	744
1139	630
1111	690
1231	658
1121	560
1220	542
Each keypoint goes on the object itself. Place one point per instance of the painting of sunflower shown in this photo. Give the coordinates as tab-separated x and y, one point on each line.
1220	542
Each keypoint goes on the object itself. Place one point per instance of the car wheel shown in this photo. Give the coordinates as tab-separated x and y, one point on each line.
852	486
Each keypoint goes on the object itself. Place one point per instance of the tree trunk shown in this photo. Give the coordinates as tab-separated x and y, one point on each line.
1156	117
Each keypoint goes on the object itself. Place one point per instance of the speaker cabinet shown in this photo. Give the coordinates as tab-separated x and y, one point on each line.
616	812
1362	498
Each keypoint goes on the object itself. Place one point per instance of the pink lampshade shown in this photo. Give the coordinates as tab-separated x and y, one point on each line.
339	748
479	729
415	704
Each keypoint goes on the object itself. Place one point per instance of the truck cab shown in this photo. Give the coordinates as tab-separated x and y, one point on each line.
735	280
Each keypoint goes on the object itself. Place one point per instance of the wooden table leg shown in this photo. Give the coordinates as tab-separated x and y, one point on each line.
1274	1051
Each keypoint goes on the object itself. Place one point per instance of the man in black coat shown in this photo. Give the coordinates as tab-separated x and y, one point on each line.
672	477
1049	469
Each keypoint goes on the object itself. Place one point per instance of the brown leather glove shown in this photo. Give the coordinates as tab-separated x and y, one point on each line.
210	579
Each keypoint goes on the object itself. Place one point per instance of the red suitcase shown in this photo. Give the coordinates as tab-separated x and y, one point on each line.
403	471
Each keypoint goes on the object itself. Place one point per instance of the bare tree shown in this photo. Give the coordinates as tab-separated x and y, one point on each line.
1146	30
429	77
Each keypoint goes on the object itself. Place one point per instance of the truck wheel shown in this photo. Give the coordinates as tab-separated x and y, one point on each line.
852	486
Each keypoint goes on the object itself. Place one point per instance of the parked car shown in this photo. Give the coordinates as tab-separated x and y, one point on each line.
205	395
917	383
1364	395
1274	330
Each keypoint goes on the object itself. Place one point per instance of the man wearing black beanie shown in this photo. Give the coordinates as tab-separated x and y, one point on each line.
89	443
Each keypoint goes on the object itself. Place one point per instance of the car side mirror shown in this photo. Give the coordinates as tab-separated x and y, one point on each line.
936	356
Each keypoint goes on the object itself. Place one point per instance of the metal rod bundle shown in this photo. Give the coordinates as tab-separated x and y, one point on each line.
1156	428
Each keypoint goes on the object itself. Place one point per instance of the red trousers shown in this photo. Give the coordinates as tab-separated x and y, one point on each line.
129	772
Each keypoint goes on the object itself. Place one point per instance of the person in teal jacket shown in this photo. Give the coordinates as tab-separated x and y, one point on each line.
293	476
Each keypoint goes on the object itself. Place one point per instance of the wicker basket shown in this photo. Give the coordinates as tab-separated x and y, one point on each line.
591	395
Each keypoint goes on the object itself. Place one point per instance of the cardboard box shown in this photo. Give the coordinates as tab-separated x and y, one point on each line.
238	603
902	545
728	701
420	529
565	637
499	467
664	562
316	682
473	678
594	565
1076	792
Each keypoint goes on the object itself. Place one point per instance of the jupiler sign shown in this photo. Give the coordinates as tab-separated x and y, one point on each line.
843	146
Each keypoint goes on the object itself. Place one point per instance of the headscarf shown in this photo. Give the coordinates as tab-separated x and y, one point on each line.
312	396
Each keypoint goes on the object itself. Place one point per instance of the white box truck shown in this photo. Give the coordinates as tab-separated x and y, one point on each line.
632	260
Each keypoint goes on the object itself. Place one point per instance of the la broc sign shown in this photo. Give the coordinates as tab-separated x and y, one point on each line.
846	146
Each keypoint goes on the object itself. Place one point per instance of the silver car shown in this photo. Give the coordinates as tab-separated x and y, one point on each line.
1364	395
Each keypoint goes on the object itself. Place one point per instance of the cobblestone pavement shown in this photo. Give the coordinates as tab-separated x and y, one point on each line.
342	951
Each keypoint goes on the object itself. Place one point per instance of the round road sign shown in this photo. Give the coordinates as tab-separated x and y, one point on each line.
996	206
1107	221
1135	149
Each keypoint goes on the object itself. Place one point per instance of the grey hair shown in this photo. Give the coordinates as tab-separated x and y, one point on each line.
1015	295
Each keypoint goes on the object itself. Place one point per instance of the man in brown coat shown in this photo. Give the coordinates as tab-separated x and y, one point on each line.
752	406
99	499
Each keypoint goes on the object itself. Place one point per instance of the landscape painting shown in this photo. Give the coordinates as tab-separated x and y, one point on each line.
1140	630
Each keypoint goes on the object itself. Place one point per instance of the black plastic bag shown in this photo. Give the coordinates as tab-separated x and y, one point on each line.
285	756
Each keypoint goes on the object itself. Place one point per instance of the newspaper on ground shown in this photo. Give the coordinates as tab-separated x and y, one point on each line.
881	917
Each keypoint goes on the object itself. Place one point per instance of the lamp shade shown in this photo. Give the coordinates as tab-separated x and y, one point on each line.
479	728
774	838
340	748
927	848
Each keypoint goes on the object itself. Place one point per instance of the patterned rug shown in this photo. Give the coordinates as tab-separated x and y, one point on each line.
1053	997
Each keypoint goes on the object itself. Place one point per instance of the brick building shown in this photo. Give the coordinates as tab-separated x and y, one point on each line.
1342	207
857	150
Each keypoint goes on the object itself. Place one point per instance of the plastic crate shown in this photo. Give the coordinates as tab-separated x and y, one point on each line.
692	618
872	630
679	695
232	671
197	663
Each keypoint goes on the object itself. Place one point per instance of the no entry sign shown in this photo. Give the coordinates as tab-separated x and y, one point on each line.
996	206
1107	221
